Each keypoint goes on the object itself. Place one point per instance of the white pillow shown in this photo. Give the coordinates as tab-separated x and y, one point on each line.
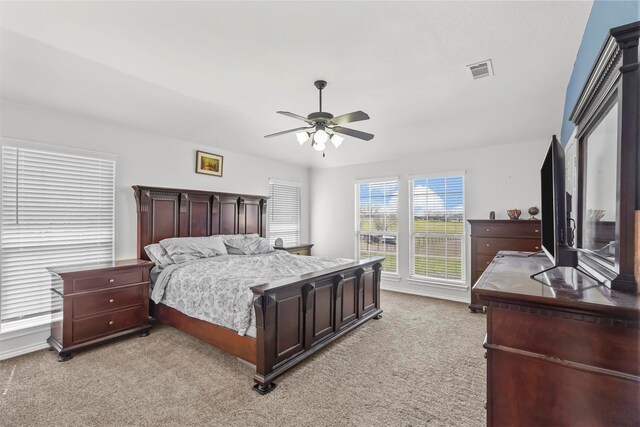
248	246
182	249
158	255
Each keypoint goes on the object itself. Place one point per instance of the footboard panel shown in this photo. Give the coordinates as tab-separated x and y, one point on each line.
297	316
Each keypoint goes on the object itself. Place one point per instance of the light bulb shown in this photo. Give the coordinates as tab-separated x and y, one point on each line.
321	137
319	146
302	137
336	140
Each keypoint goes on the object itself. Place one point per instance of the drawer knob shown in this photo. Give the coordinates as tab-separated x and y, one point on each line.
487	230
111	300
484	309
488	244
111	322
536	248
537	231
111	280
488	262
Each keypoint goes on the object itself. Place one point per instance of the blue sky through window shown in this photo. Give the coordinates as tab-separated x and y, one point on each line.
444	193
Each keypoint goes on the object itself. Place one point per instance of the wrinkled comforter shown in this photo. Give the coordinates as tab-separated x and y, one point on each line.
217	289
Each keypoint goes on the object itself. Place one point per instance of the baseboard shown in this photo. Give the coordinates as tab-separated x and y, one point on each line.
4	355
421	292
22	341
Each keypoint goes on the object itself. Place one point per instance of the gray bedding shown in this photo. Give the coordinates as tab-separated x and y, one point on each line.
217	289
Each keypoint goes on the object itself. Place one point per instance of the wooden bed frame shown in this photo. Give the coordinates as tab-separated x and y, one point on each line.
295	317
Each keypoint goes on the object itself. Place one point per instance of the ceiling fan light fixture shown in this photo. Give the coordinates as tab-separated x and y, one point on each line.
302	137
321	136
319	146
336	140
322	126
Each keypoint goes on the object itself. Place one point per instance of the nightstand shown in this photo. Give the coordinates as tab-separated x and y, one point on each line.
95	303
302	249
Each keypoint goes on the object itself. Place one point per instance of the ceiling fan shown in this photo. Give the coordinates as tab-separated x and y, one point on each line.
322	126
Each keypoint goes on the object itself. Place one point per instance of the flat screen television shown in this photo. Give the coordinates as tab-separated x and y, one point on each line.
555	205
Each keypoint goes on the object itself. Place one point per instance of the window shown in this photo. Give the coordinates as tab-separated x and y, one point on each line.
284	212
377	221
437	228
57	210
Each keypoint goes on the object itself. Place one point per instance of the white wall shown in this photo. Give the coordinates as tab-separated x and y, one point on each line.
149	159
497	178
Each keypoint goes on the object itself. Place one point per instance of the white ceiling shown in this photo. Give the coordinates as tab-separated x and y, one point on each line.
216	72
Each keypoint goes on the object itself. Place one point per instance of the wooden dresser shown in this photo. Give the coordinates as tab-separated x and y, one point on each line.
561	353
302	249
490	236
95	303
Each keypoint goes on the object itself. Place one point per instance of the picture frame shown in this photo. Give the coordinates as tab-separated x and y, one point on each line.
209	163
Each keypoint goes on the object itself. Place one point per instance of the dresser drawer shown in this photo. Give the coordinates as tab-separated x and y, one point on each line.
108	279
110	299
491	246
520	228
105	324
482	262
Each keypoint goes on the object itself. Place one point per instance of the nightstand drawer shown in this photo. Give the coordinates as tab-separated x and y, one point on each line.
107	280
303	251
105	324
108	300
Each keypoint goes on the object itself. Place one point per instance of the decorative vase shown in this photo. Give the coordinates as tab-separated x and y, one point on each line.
533	211
514	213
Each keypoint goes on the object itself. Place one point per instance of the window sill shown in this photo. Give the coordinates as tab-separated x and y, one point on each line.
448	284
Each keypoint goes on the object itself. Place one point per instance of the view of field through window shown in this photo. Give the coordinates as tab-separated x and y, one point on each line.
437	229
377	226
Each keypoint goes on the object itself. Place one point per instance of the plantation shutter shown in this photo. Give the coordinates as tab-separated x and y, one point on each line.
437	228
57	210
284	212
377	221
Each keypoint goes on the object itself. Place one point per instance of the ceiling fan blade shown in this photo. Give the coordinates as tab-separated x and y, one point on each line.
295	116
287	131
352	132
355	116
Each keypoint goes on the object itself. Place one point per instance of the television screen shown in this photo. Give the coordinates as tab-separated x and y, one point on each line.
554	219
548	232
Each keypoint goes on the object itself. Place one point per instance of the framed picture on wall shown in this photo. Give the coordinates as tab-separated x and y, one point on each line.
208	164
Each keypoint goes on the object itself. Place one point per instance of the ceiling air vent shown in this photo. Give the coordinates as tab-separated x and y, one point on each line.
480	69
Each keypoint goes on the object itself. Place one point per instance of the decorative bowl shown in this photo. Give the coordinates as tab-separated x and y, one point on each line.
514	213
596	214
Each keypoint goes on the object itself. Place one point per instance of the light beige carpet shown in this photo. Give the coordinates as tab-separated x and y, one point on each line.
421	364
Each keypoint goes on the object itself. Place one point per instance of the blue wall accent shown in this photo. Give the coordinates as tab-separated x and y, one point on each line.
604	16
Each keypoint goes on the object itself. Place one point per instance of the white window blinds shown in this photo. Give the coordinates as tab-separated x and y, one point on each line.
377	221
437	228
284	212
57	209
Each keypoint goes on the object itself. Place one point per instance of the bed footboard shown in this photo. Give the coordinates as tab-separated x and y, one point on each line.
298	316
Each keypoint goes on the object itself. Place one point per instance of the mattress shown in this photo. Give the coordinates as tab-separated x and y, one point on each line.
218	289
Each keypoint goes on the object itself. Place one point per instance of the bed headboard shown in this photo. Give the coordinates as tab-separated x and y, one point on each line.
169	212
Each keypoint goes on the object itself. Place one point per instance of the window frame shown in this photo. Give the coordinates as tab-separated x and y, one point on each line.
18	326
356	199
420	279
270	206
